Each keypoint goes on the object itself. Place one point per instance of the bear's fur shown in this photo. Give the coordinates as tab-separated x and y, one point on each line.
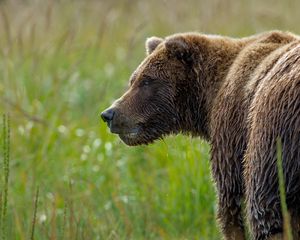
241	95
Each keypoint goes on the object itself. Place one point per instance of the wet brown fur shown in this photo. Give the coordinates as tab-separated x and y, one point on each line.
240	95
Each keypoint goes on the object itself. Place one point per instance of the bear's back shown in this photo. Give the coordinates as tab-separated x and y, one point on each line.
256	59
228	120
278	78
277	50
250	66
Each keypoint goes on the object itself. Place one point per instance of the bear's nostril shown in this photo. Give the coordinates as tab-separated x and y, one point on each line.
108	115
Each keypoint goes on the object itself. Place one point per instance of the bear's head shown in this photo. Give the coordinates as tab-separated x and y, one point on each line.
157	101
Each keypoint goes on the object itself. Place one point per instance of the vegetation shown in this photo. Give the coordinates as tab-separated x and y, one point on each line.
63	175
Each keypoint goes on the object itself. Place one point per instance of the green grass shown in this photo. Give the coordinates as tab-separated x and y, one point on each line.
286	216
61	63
4	187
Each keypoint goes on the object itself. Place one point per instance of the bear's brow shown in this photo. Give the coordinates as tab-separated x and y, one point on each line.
132	78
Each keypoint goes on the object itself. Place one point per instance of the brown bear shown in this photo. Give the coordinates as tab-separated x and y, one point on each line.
241	95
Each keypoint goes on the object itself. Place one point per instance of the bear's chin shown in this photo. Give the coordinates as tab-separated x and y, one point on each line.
135	139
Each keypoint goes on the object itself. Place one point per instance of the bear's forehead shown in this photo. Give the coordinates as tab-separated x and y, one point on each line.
149	67
157	60
152	66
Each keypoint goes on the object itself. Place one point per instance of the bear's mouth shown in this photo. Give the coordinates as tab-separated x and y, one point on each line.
124	131
136	134
131	139
129	135
141	136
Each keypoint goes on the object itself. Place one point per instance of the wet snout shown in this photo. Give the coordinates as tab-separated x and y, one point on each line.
108	115
118	121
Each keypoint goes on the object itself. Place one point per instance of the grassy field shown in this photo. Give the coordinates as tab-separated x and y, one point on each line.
61	63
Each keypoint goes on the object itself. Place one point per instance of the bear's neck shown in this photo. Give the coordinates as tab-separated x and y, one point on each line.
217	55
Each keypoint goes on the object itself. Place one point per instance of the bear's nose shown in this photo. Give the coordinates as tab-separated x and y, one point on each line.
108	115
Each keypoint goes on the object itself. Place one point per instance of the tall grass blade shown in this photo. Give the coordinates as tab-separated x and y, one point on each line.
36	201
1	202
72	221
285	213
64	221
6	150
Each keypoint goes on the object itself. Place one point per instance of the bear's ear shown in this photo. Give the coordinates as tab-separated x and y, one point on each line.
179	48
152	43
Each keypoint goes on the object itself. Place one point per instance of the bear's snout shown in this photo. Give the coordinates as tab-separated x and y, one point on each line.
107	115
118	122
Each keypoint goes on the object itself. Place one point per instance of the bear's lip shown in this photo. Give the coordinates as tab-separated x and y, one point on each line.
131	139
125	132
129	135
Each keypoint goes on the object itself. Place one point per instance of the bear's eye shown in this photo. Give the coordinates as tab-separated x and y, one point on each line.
146	82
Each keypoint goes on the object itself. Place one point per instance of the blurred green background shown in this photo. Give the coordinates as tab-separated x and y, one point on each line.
61	63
